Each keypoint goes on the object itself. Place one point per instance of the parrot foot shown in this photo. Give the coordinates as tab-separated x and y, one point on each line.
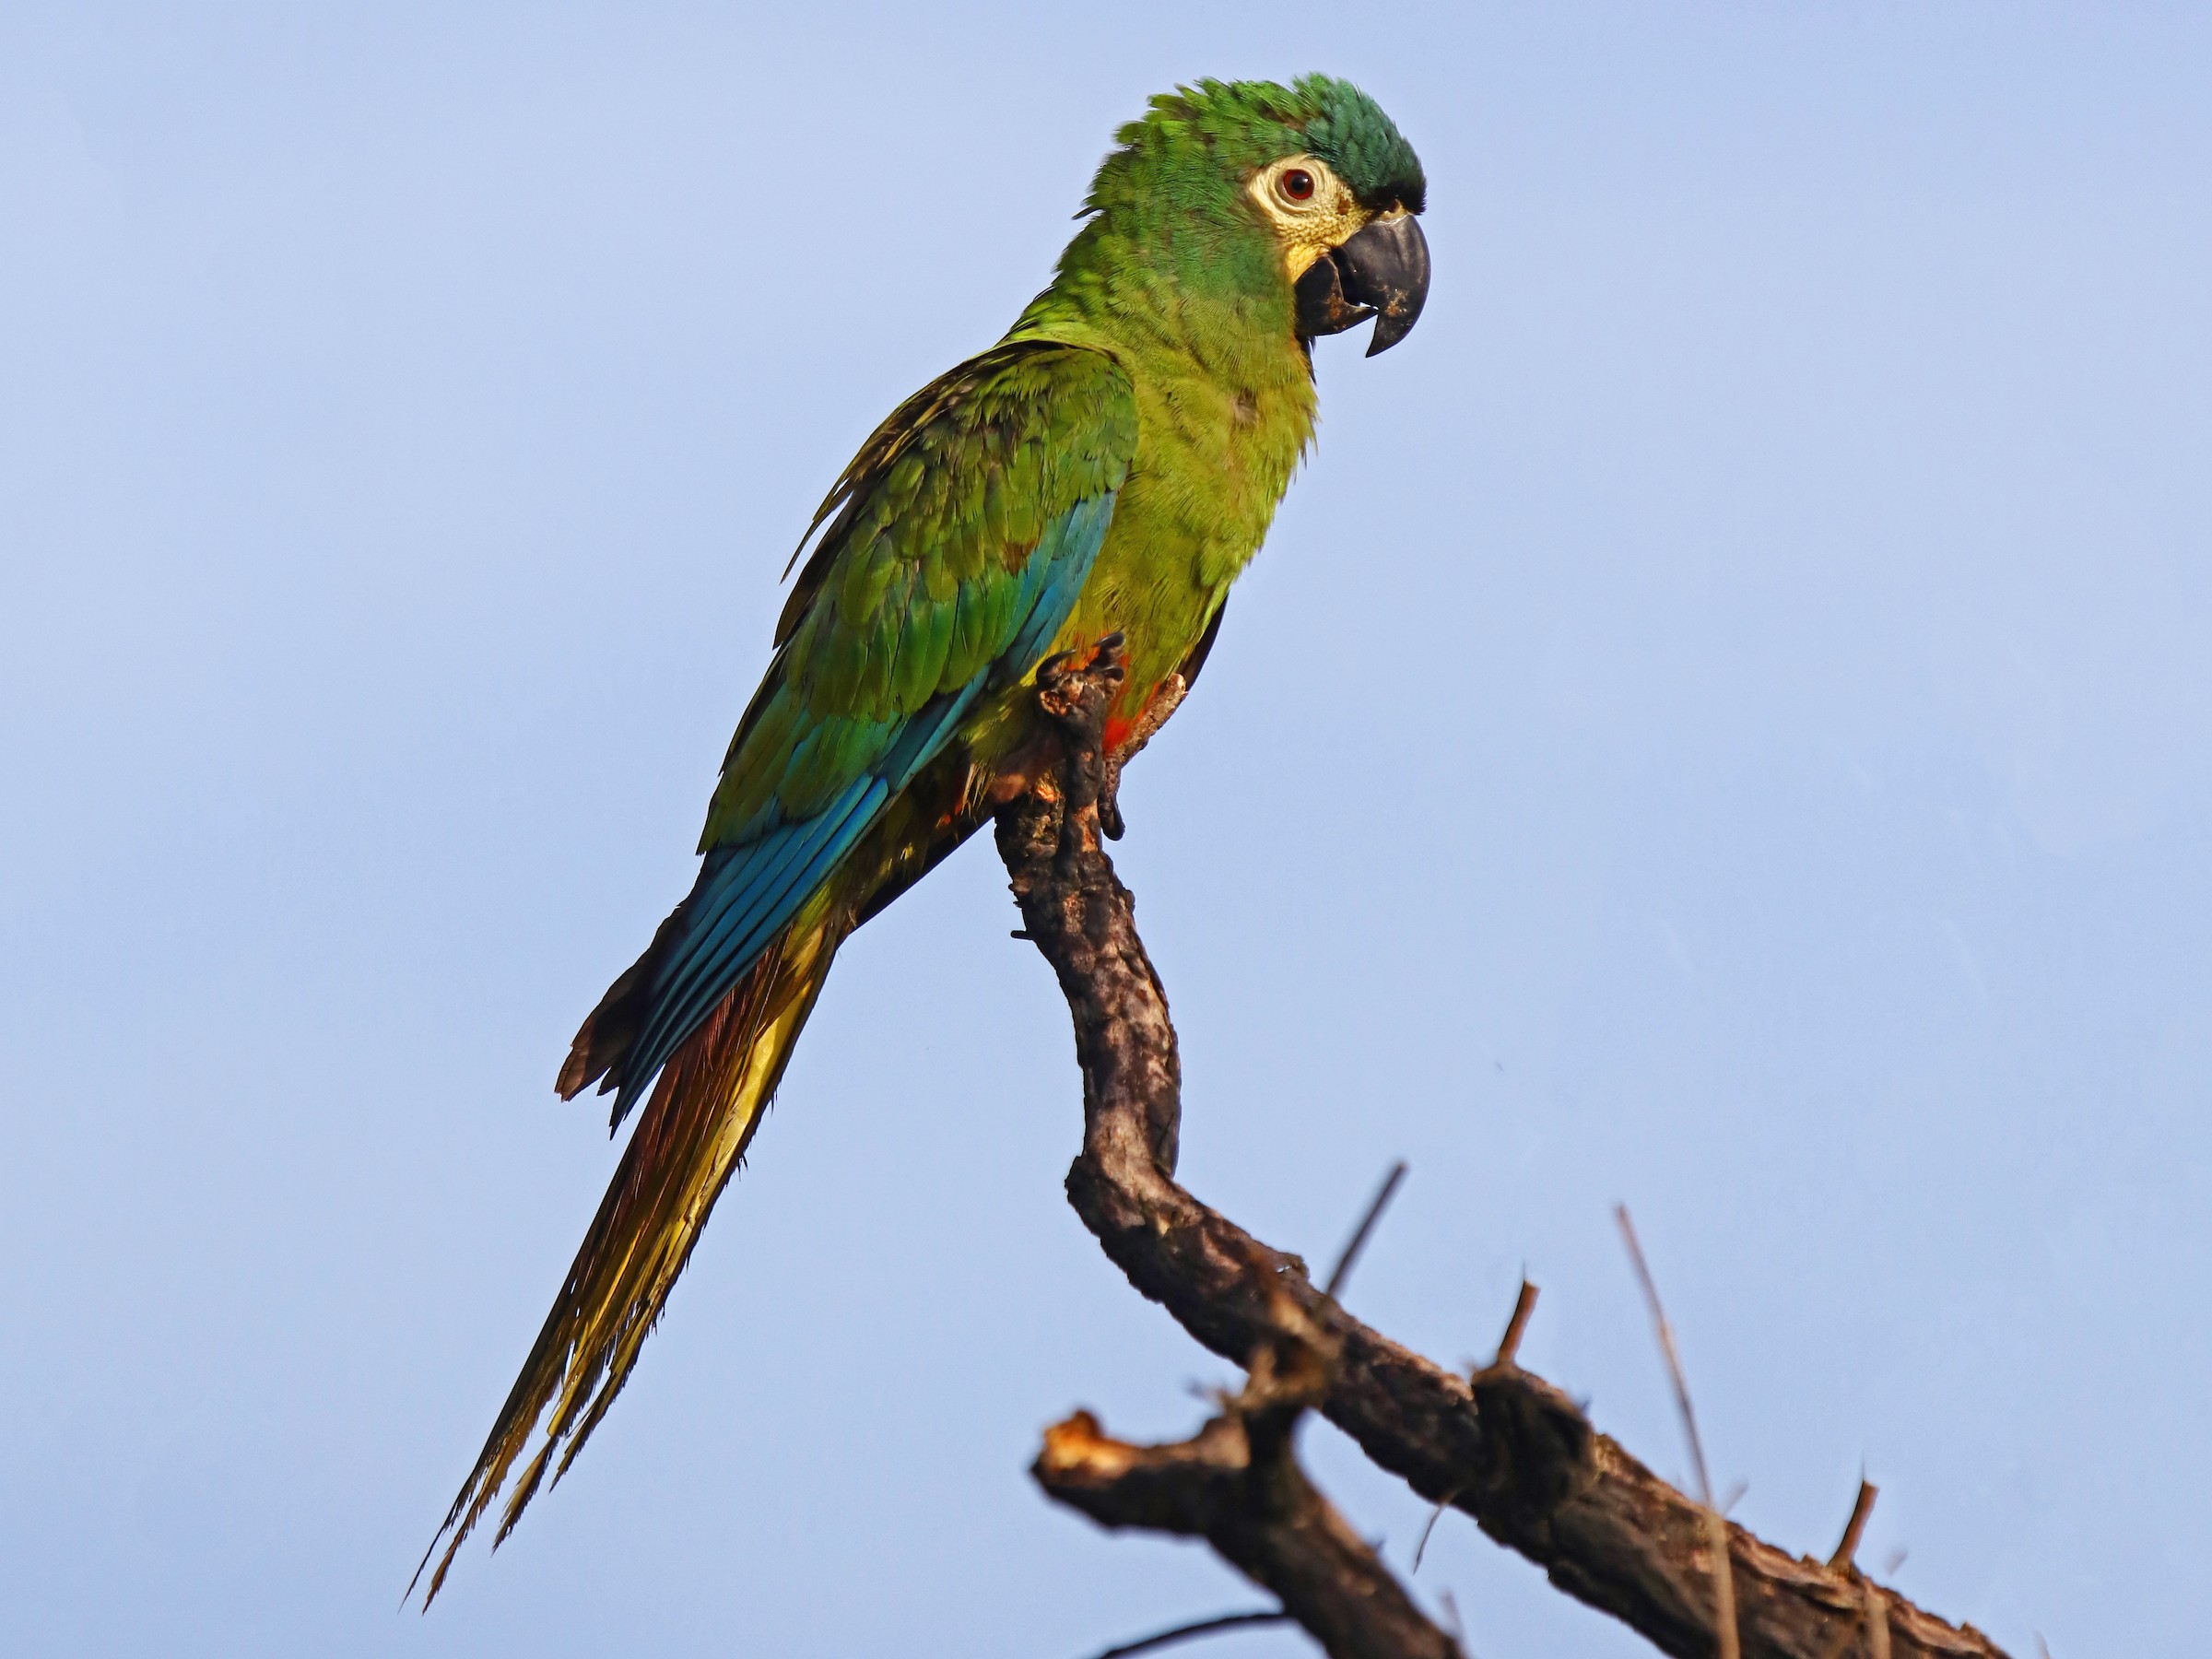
1076	688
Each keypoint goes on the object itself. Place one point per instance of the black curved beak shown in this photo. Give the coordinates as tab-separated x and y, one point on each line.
1382	273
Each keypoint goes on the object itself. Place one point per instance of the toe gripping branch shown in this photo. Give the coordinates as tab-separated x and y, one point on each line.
1075	690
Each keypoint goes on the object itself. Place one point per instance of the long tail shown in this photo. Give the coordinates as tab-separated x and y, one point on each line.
708	1103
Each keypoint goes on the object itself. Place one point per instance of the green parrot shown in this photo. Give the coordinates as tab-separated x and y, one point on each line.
1107	469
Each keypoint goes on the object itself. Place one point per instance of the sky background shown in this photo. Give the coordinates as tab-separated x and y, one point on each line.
1727	709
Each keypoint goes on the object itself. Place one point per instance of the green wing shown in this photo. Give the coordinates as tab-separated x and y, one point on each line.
959	539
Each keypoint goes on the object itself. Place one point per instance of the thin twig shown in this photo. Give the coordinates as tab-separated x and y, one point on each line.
1205	1626
1435	1515
1716	1526
1855	1528
1524	1306
1667	1352
1367	1225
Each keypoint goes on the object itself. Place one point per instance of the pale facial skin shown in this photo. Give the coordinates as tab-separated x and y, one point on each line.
1312	210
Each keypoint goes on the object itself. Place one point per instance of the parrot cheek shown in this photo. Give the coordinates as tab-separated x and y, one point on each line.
1382	272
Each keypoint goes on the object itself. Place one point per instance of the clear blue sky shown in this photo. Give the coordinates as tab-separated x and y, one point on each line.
1731	700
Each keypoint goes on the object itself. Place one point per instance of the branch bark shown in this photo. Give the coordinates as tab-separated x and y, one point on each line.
1237	1484
1505	1447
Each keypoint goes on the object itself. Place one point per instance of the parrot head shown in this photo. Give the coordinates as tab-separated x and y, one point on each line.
1298	199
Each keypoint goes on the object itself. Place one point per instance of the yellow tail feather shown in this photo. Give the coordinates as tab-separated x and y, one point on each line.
708	1103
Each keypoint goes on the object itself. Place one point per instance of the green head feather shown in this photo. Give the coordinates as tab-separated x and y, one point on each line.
1217	134
1169	227
1352	134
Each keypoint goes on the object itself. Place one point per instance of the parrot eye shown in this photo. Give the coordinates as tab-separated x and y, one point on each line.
1297	194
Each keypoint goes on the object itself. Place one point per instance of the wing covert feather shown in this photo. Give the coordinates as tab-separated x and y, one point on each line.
957	541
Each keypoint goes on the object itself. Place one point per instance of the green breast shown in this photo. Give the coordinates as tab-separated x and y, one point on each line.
1214	453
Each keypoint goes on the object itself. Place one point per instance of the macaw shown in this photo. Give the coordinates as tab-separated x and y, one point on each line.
1107	467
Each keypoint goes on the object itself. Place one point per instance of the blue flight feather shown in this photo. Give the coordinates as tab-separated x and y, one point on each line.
746	892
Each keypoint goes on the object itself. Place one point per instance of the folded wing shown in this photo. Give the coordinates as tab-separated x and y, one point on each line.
959	540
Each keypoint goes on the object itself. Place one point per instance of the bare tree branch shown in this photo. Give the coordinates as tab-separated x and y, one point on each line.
1237	1484
1505	1447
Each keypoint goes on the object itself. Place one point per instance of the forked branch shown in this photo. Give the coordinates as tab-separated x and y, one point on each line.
1237	1484
1503	1446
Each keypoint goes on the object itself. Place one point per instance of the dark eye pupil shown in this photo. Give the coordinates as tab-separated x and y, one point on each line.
1298	184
